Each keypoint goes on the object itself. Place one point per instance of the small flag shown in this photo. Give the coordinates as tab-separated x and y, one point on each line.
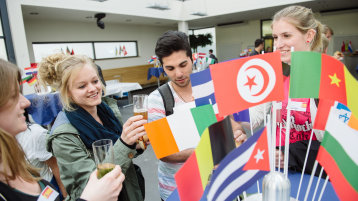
124	50
203	89
338	155
32	80
72	52
116	51
209	61
240	169
67	50
215	143
243	116
120	50
201	55
246	82
350	47
343	47
315	75
179	131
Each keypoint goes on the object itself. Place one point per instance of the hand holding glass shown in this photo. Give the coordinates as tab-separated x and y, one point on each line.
140	107
104	156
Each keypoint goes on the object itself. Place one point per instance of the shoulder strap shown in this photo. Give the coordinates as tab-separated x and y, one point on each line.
168	98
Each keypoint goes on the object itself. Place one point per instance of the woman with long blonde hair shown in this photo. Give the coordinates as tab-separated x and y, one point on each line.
19	181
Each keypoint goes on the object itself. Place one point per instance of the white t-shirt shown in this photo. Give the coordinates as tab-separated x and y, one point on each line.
33	142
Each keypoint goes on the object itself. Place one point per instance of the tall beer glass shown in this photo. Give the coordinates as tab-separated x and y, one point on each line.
140	107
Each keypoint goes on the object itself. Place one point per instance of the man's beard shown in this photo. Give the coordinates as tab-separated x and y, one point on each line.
182	85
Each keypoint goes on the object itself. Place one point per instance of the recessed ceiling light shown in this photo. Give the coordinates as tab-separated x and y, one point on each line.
128	20
201	14
34	13
89	17
158	7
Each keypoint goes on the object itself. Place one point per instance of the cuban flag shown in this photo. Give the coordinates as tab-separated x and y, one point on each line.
240	168
203	89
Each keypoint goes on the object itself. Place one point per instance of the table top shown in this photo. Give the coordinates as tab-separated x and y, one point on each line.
118	88
294	177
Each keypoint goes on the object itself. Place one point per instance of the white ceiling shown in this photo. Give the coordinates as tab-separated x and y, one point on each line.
136	11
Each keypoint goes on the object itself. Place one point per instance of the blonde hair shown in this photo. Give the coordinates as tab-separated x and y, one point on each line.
12	158
56	70
10	78
303	19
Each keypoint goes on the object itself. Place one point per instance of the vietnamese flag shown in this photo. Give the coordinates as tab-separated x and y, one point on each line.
246	82
316	75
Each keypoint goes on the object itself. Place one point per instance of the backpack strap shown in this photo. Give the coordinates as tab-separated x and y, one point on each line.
168	98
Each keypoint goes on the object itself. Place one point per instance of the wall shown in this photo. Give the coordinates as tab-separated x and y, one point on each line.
232	39
52	31
343	25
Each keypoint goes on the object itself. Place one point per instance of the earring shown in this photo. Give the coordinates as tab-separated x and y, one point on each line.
308	41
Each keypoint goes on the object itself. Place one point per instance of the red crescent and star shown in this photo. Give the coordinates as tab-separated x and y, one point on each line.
251	81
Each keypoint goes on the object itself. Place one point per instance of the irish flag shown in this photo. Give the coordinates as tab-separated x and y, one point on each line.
215	143
316	75
179	131
338	155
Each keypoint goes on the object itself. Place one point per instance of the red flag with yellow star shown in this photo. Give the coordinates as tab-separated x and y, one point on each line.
316	75
332	84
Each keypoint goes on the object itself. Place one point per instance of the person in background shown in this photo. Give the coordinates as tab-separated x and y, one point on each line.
325	43
212	56
19	181
328	32
33	143
259	46
174	53
85	119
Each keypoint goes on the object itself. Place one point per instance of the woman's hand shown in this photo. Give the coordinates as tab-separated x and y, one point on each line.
107	188
240	137
133	129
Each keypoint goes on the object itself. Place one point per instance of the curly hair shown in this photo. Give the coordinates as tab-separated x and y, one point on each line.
57	69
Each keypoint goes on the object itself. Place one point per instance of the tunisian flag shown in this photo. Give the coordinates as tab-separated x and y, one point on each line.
246	82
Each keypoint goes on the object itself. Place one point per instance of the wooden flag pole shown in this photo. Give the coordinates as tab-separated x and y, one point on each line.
323	188
311	179
319	178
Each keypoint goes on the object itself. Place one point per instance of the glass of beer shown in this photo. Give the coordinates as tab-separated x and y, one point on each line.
104	156
140	107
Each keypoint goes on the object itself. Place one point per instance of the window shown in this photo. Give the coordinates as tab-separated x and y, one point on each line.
6	47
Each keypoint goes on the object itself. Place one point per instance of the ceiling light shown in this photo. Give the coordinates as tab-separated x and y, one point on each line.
34	13
201	14
158	7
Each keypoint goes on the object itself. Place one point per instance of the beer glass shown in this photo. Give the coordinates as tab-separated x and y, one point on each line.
103	156
140	107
